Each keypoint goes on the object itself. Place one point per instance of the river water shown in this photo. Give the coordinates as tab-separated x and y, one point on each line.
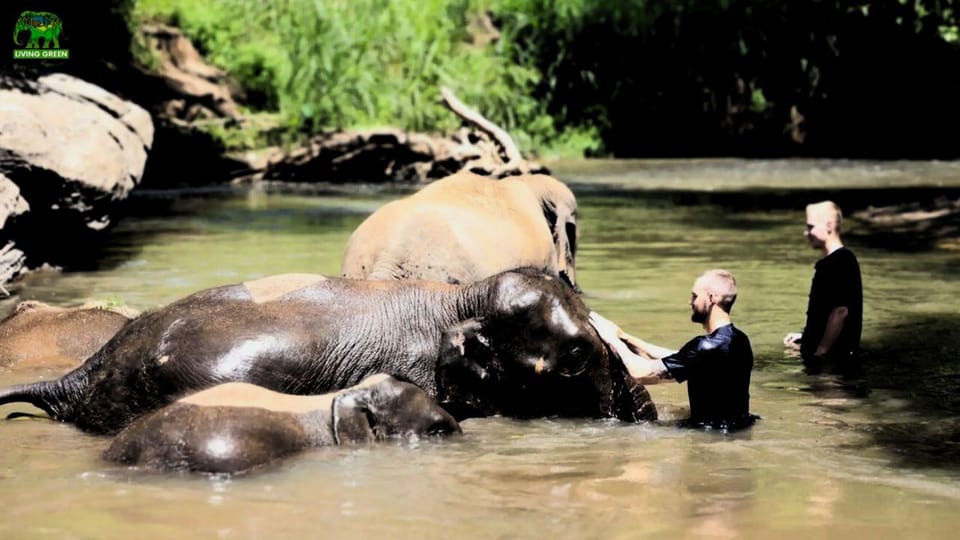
832	457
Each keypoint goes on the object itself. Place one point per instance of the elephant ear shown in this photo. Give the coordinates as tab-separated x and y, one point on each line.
559	207
351	423
465	370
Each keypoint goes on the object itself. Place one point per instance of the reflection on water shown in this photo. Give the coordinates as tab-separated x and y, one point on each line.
834	456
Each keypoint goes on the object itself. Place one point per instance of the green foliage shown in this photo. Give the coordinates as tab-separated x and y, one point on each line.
621	77
747	77
362	63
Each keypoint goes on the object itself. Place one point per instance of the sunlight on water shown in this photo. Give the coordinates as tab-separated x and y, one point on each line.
871	457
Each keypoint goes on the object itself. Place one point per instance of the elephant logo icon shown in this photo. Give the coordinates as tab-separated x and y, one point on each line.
44	40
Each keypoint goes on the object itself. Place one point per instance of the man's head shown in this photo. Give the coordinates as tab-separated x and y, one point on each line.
824	220
714	288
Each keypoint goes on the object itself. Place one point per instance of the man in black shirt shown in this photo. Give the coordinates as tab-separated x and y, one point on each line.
716	366
835	308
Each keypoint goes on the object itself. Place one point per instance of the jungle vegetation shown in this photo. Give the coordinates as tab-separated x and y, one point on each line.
626	78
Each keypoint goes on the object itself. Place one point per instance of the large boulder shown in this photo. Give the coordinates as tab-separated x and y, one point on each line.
12	205
69	151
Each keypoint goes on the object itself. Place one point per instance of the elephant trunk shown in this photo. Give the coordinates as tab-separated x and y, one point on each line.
16	32
53	397
43	395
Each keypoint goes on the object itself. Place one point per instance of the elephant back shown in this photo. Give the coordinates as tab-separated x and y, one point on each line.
460	229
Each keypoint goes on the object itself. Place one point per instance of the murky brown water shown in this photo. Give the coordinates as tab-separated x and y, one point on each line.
831	458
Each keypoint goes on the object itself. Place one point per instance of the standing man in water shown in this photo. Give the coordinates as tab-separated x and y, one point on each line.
835	308
716	365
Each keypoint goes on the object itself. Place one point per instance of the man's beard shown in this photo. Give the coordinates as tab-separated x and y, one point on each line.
700	317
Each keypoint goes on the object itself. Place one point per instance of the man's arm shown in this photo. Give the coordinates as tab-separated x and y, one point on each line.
645	371
834	326
641	369
641	347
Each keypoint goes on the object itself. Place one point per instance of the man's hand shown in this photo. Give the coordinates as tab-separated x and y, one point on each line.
792	340
607	329
644	370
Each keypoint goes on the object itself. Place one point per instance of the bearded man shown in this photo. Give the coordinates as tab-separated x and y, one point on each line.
716	365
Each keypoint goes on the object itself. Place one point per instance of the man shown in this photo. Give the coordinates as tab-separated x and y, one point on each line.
716	366
835	308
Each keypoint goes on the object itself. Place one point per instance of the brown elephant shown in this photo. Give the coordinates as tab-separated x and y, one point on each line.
467	227
36	334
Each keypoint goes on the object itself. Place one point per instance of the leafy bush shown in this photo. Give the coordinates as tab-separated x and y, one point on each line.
363	63
622	77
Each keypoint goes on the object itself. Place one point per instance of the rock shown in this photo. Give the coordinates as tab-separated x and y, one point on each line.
915	224
185	94
198	90
69	151
363	156
12	261
129	114
71	145
12	204
384	155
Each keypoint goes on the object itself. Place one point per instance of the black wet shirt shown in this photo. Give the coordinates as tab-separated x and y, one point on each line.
836	282
717	369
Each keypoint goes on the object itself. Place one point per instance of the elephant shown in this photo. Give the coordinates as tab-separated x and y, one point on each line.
40	24
36	334
467	227
518	344
236	427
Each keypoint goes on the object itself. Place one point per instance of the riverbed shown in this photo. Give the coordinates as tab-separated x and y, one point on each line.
877	455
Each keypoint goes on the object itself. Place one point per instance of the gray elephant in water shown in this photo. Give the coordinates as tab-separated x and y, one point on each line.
518	343
467	227
236	427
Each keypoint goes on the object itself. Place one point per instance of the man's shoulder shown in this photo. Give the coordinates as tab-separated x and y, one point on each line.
846	253
843	257
727	333
738	333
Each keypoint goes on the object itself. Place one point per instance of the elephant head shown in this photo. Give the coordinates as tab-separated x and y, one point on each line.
535	354
559	206
391	408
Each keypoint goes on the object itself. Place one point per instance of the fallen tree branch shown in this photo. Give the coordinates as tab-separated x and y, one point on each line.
494	131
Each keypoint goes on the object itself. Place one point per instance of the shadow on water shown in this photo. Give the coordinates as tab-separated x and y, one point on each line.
914	367
202	211
851	200
145	216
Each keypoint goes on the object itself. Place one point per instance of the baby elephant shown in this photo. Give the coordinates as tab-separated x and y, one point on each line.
235	427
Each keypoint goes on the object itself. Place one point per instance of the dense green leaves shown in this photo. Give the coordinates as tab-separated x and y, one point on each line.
358	63
630	77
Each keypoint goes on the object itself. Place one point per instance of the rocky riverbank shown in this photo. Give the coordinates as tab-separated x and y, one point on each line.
72	150
69	152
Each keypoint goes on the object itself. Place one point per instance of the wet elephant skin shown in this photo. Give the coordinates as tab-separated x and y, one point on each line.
496	342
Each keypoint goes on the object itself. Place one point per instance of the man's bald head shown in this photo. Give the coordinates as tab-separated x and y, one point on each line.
720	284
